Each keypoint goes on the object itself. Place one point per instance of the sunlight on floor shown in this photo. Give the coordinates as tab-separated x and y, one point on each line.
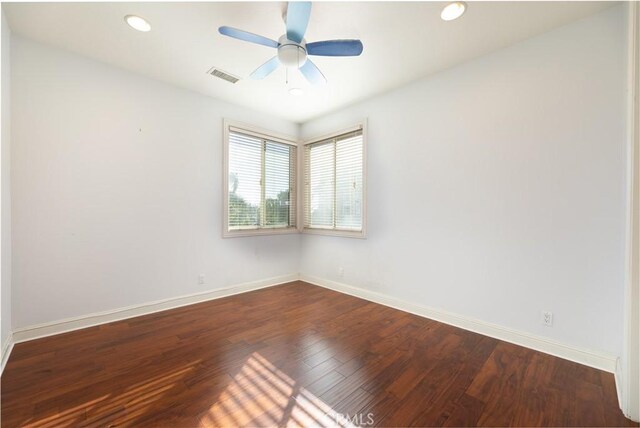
261	394
133	402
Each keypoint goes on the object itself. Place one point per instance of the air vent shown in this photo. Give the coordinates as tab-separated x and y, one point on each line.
216	72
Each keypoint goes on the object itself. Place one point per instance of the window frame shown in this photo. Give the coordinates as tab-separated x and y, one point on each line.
265	135
361	234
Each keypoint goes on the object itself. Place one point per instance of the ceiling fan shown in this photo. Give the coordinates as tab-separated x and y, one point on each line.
293	48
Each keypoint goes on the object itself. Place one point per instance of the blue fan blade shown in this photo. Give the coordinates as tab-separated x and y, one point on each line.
312	73
266	69
247	37
297	19
335	48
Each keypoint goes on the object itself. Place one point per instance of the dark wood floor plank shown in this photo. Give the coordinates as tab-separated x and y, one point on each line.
295	354
461	375
464	411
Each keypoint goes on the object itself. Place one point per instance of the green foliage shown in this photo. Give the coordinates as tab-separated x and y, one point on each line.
242	213
277	210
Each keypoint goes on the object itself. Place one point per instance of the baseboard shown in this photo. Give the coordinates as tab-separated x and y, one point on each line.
70	324
619	387
588	358
7	347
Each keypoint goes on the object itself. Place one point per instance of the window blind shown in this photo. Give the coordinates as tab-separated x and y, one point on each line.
245	175
334	176
261	180
279	199
349	183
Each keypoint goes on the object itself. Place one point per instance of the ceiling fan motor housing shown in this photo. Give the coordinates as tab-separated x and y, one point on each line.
290	53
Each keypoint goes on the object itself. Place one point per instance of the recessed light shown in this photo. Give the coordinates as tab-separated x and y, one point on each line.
137	23
453	10
296	92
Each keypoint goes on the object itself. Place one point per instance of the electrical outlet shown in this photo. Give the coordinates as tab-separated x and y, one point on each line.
340	271
547	318
201	279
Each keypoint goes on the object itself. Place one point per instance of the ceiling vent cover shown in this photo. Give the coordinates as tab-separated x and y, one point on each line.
216	72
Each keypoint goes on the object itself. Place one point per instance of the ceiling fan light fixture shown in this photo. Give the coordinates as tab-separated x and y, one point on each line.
453	10
137	23
296	92
291	54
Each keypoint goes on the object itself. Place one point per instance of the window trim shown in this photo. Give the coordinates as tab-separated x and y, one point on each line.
361	125
227	127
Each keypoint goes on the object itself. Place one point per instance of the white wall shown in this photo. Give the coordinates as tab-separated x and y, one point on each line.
510	170
117	186
5	178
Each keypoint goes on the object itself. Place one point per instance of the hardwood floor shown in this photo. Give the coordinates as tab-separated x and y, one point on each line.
295	354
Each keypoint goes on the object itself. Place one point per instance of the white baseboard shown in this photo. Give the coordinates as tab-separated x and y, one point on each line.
587	357
70	324
619	387
7	347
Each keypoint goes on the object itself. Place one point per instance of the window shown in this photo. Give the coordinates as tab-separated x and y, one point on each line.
334	184
260	182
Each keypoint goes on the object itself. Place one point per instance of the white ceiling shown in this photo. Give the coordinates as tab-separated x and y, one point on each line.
403	41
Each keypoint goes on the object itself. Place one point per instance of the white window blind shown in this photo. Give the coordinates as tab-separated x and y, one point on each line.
334	183
262	176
